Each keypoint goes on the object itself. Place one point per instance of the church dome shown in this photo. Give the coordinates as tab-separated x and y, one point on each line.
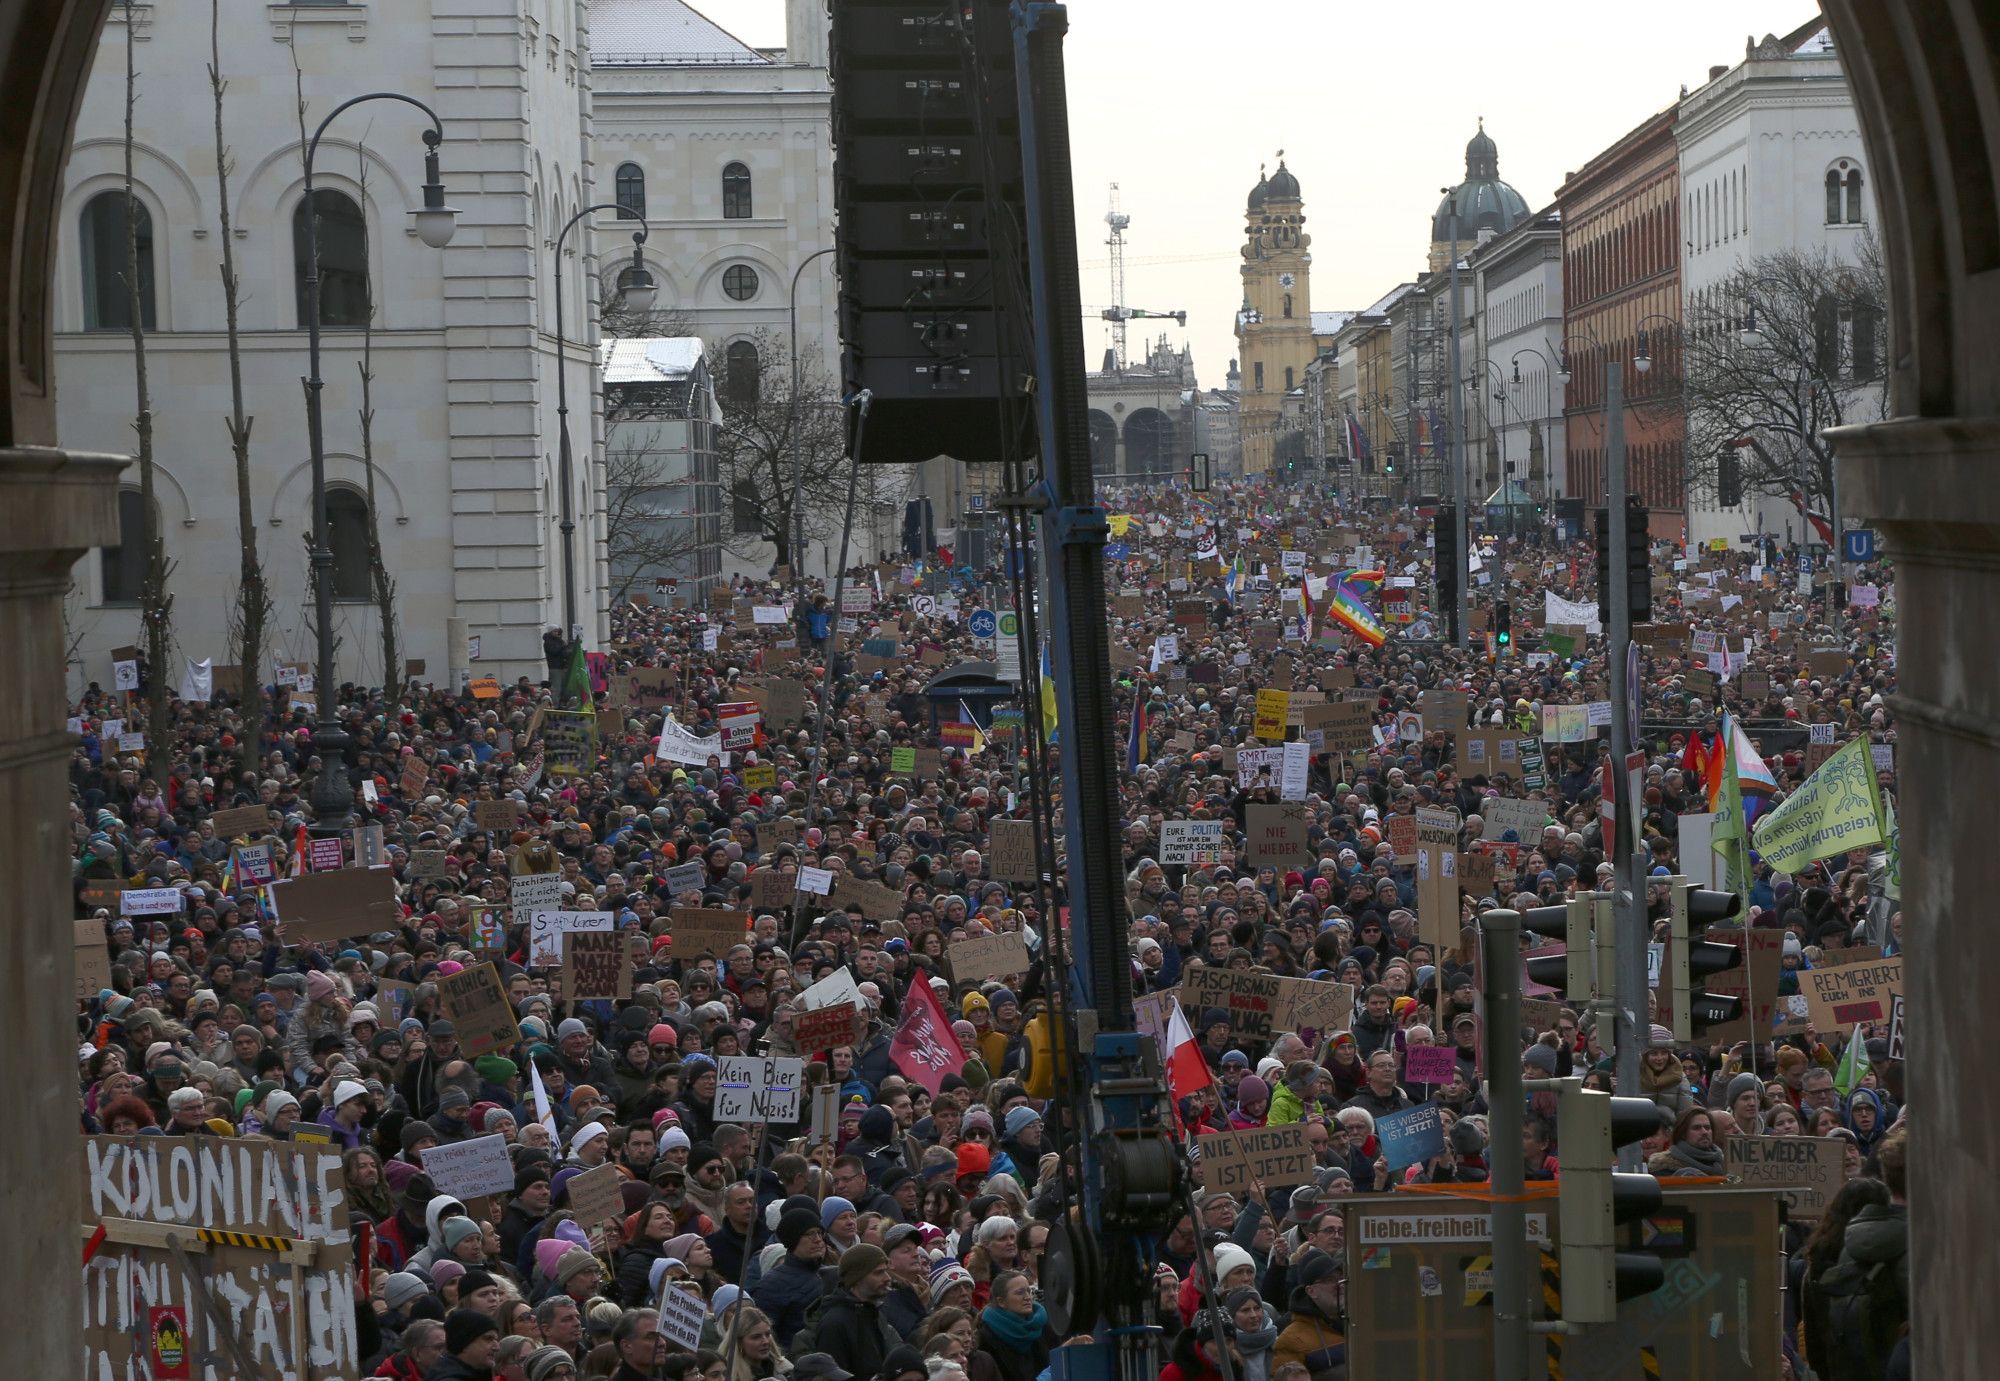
1259	192
1282	186
1483	201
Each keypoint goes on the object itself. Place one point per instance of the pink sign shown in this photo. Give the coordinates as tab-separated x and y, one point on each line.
924	1047
326	856
1429	1064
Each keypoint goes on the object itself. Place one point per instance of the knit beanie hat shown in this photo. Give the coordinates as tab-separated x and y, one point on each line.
1228	1257
541	1364
464	1327
832	1207
402	1287
793	1227
1018	1119
857	1261
574	1260
456	1230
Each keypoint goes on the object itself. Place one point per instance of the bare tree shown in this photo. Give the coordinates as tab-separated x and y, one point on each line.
616	320
253	592
648	532
767	434
1791	345
155	604
380	584
322	695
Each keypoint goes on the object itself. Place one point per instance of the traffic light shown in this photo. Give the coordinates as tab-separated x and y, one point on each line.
1638	564
1594	1199
1574	971
1694	909
1600	518
1503	623
927	183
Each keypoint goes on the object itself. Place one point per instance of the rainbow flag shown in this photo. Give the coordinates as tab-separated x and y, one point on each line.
1754	779
1348	605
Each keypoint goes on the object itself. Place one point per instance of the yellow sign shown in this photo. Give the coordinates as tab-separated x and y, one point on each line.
761	777
1272	708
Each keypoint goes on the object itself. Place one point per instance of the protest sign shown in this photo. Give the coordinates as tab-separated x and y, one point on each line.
1191	843
771	890
682	1316
1412	1136
595	1195
477	1004
241	820
824	1028
1262	1005
532	892
325	854
1896	1027
685	878
262	1231
149	901
1437	876
923	1046
877	903
1012	851
1429	1064
816	881
758	1088
1272	707
368	846
595	967
471	1169
1838	997
699	930
988	956
1807	1169
427	863
1505	816
337	905
1278	835
1344	727
93	960
1232	1161
1403	835
503	816
256	864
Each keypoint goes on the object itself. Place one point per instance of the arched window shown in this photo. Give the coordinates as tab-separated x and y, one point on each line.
739	282
347	538
1826	336
123	567
1258	369
740	381
1288	304
736	192
1832	197
1288	378
631	194
343	259
1854	196
107	303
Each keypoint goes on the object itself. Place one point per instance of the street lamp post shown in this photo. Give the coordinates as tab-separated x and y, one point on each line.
332	796
1642	361
635	284
798	452
1544	416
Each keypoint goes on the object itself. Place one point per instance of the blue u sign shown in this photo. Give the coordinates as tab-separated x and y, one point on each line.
1858	544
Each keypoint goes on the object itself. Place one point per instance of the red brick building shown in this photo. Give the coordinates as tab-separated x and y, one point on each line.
1621	238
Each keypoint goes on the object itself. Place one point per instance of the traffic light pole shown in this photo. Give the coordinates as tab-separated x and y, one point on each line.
1500	941
1628	897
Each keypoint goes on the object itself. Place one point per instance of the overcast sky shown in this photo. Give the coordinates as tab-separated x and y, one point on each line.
1179	101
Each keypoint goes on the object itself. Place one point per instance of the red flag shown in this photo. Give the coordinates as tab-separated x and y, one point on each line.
924	1047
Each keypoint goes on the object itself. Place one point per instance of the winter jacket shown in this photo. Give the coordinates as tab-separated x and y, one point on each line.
786	1291
1313	1339
851	1330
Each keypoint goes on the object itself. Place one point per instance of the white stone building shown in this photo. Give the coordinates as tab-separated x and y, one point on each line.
1516	431
725	149
1771	159
465	429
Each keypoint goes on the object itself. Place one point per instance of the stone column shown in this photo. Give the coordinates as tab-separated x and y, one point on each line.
54	505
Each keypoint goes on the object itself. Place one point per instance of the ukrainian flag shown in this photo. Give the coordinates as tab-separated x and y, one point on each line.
1049	716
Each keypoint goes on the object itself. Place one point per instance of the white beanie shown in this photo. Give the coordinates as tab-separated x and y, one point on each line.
1268	1067
586	1134
674	1140
1228	1257
275	1102
348	1088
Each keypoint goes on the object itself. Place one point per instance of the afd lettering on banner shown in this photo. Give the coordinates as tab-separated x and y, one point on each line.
254	1186
1279	1156
762	1089
1412	1136
1810	1170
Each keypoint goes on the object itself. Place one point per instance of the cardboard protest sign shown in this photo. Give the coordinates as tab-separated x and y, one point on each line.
758	1088
1403	835
683	1314
1412	1136
771	890
988	956
93	960
337	905
476	1002
1437	876
504	816
471	1169
101	892
528	893
1012	853
149	1193
594	1196
1429	1064
877	903
1838	997
699	930
595	967
1278	835
1809	1170
1504	815
824	1028
427	863
241	820
1279	1156
1192	843
1261	1006
1757	976
1346	726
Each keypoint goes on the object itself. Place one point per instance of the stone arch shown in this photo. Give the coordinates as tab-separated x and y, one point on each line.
1103	443
291	499
1151	443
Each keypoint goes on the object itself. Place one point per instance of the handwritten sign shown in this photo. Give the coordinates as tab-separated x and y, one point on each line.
472	1168
760	1089
1232	1161
337	905
1430	1064
699	930
988	956
1012	855
1838	997
1192	843
1809	1170
477	1004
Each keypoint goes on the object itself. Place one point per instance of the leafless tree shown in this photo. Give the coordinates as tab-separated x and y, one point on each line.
253	592
767	434
646	534
155	604
1774	356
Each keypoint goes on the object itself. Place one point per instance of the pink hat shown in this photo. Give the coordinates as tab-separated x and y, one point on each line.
318	986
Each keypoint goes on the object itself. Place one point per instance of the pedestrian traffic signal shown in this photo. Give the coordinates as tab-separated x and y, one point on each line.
1503	623
1594	1199
927	182
1693	910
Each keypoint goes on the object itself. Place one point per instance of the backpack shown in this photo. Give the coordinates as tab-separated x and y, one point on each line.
1866	1310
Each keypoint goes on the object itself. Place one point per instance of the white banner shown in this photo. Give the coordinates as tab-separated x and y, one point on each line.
1557	610
677	744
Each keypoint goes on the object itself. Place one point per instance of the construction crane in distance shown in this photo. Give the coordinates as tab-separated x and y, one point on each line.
1118	313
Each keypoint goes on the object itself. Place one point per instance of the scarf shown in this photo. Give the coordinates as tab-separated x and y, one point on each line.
1702	1161
1016	1333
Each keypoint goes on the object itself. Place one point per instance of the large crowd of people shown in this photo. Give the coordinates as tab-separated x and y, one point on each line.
905	1239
